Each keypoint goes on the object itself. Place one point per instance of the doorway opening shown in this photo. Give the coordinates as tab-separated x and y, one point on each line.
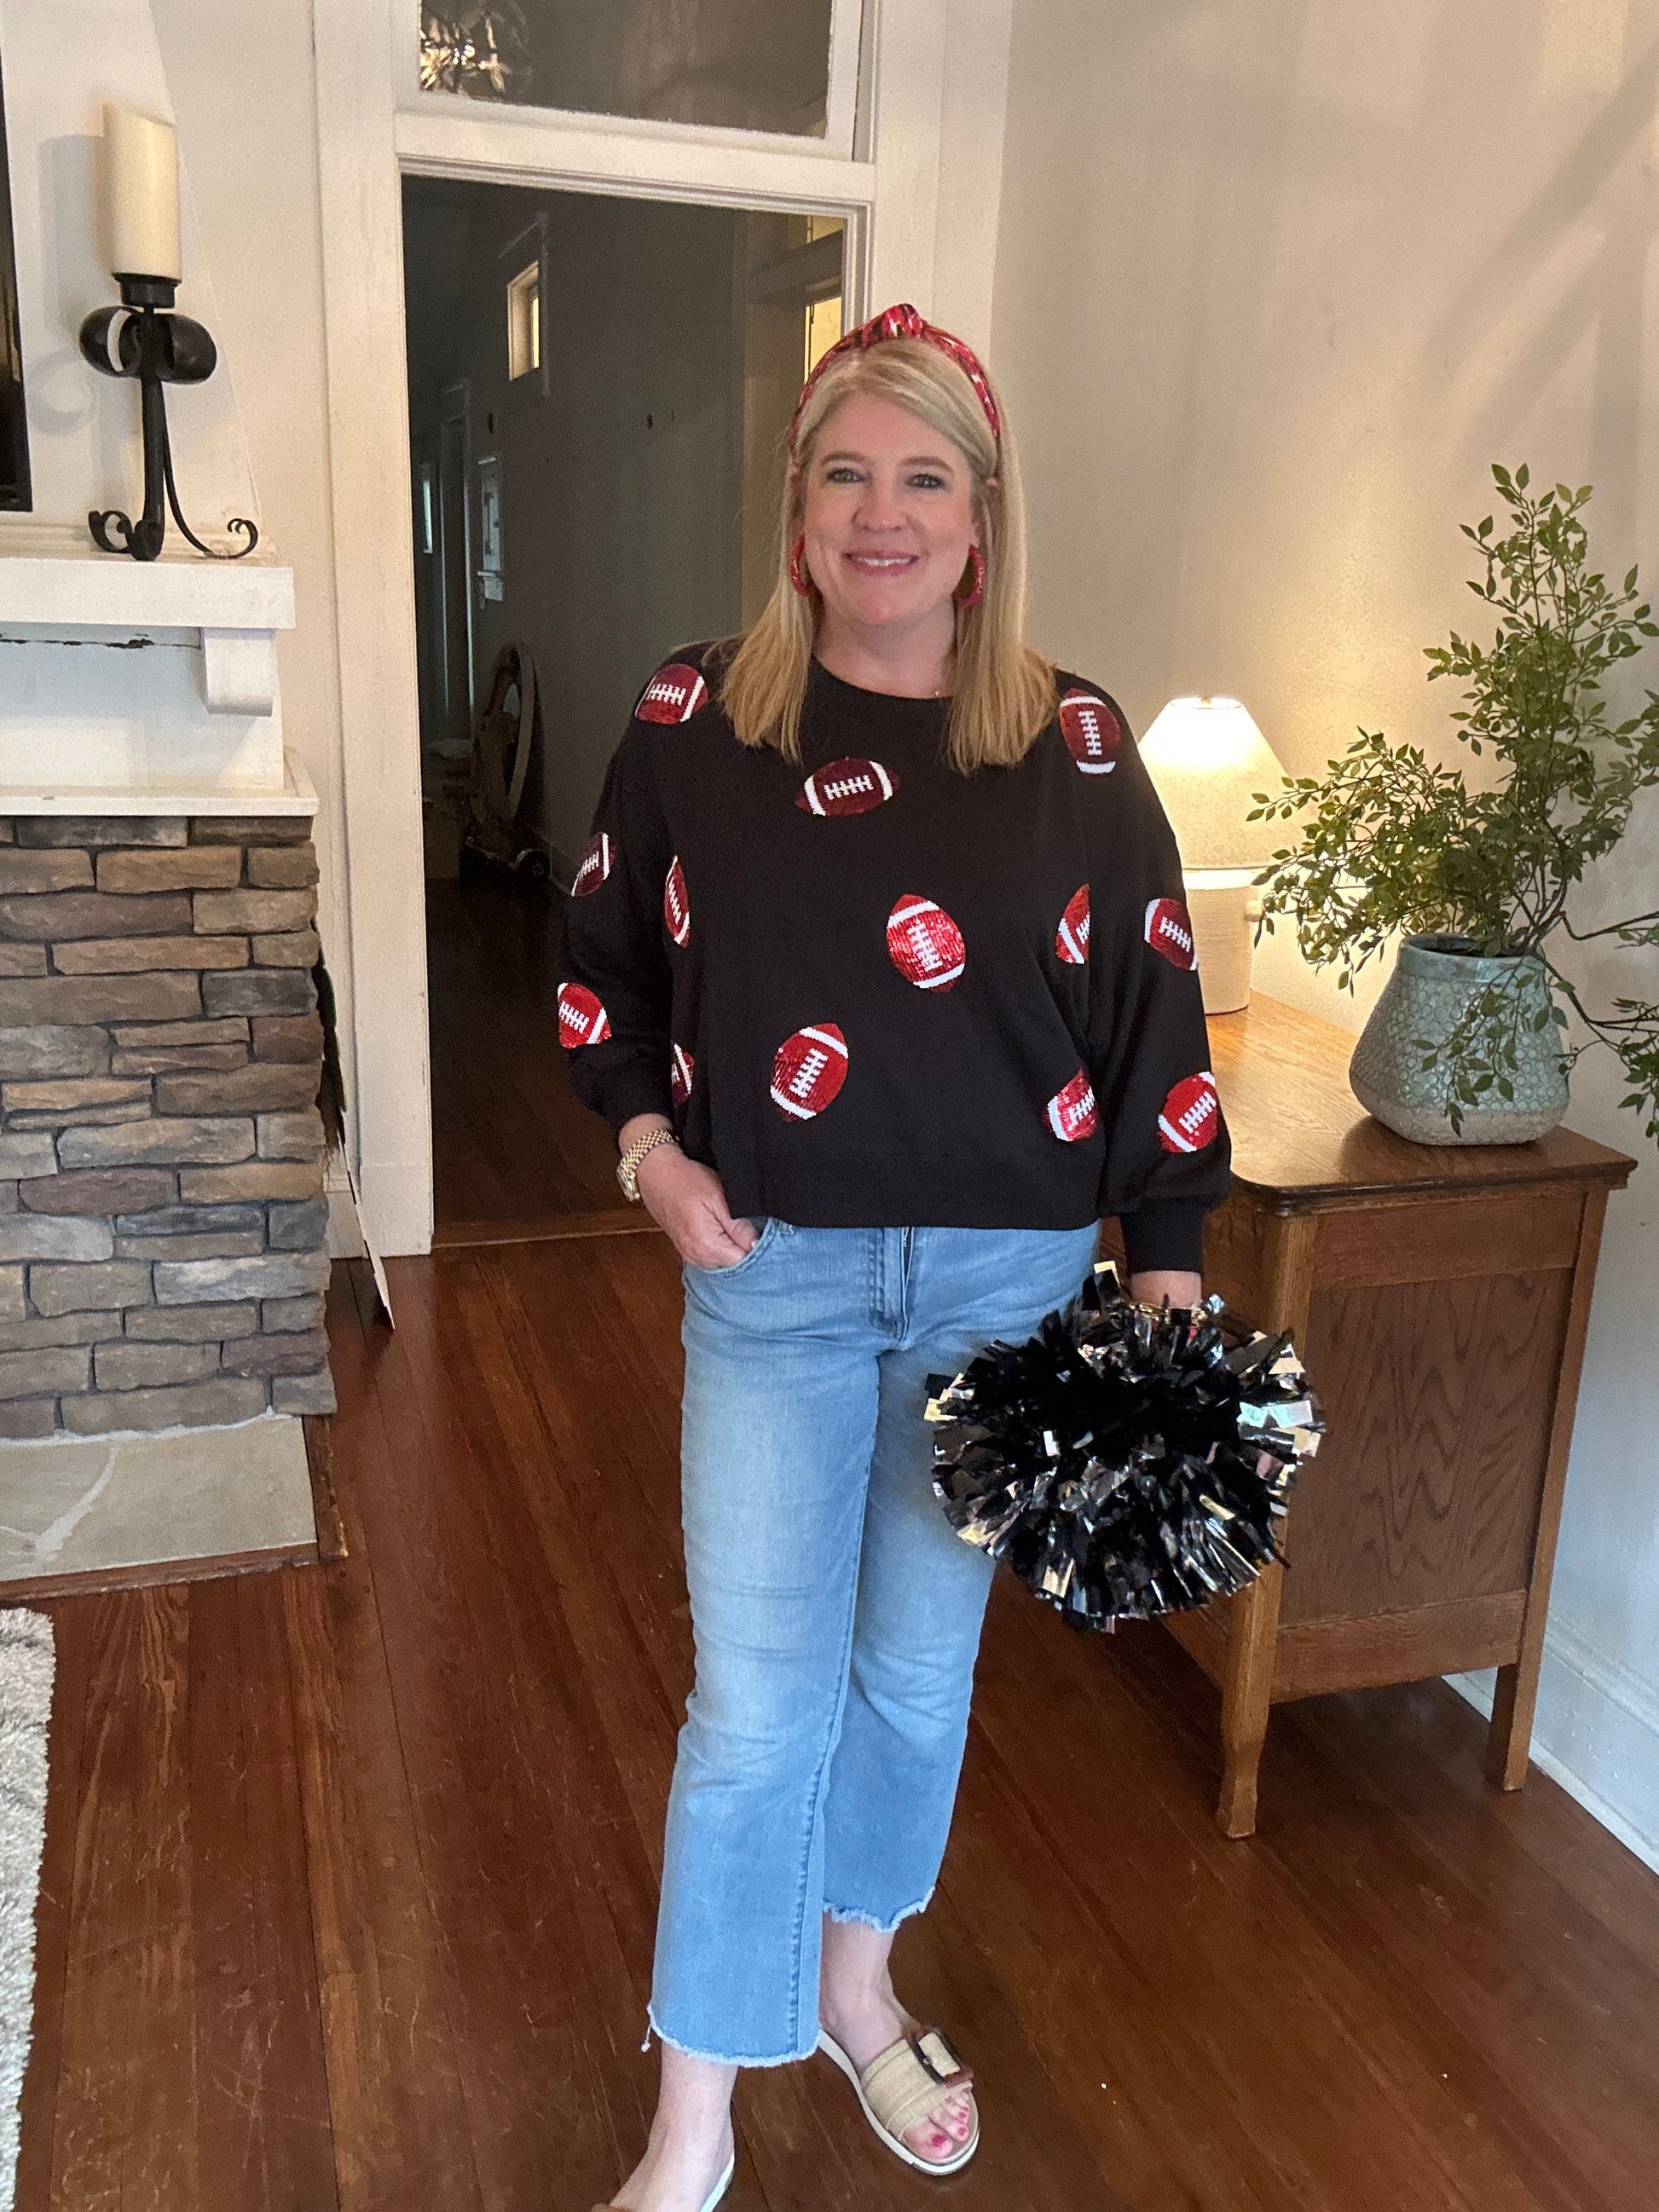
599	393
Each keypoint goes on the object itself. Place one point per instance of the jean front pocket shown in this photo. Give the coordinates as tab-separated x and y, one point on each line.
770	1231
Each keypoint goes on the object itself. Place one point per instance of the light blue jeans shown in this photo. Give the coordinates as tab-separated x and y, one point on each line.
837	1615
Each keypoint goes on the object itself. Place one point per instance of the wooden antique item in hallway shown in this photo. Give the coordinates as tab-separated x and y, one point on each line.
1440	1297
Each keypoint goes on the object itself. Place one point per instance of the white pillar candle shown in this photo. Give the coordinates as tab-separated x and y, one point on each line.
140	194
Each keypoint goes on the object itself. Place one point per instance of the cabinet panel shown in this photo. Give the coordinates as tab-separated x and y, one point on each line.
1438	1403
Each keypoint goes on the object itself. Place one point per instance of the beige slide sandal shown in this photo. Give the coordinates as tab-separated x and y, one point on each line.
720	2188
902	2085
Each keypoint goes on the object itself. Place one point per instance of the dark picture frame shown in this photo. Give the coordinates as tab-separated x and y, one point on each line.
16	495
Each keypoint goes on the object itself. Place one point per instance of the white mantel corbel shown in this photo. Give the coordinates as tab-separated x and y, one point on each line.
239	670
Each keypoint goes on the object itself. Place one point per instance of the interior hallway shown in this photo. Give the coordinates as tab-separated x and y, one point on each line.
351	1870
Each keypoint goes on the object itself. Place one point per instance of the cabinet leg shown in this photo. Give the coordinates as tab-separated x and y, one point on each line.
1509	1738
1246	1698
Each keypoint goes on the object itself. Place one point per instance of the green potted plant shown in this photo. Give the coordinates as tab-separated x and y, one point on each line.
1469	1042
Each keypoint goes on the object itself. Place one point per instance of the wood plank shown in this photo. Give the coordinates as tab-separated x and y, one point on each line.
318	1431
1507	1233
156	1574
129	2063
510	1140
1517	1685
1315	1656
265	2126
400	2131
1426	1487
1233	1254
1300	1136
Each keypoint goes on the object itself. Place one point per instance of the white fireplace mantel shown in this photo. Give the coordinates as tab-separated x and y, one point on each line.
141	679
234	610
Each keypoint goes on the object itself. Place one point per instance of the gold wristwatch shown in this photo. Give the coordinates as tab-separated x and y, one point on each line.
628	1168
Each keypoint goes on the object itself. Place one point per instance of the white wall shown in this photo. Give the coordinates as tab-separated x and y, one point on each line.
973	107
63	60
1275	283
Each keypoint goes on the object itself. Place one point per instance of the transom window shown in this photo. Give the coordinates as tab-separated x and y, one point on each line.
748	64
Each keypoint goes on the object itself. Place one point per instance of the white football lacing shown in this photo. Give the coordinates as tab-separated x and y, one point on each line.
801	1082
1079	1110
919	938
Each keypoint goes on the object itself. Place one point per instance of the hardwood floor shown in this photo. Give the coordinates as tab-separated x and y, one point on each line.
510	1143
351	1870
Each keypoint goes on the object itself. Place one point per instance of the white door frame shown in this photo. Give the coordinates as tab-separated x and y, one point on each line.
878	167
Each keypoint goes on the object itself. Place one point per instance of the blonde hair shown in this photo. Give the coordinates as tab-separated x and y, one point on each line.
1002	692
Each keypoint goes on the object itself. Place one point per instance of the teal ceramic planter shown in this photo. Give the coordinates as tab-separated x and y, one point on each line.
1433	985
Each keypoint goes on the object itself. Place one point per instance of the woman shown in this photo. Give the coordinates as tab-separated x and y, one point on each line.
878	971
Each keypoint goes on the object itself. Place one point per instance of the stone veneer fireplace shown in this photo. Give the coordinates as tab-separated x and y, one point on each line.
162	1222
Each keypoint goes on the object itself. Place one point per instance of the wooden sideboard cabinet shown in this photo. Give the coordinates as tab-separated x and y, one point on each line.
1439	1298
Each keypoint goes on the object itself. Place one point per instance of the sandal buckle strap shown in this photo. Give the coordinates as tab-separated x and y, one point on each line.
939	2061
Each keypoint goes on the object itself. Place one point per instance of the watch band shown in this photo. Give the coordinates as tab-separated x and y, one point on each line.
628	1168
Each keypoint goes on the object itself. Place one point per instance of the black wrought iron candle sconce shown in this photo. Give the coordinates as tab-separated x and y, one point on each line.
144	339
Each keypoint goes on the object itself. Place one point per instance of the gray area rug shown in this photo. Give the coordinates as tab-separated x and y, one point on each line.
26	1671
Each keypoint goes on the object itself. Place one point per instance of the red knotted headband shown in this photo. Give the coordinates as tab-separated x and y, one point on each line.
903	322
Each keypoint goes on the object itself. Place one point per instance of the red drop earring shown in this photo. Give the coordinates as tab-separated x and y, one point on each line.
976	592
799	575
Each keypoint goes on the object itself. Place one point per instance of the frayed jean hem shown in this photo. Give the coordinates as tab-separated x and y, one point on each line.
849	1915
729	2058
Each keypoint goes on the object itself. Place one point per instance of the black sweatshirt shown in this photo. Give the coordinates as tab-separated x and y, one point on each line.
870	991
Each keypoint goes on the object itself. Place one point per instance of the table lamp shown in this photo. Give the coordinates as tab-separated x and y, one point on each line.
1208	760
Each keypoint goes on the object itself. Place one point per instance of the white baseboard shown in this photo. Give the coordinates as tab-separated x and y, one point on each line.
1597	1733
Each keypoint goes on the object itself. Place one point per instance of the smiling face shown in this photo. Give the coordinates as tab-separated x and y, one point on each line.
888	517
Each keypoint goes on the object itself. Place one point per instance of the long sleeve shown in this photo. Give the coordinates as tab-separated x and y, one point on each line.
1168	1153
616	999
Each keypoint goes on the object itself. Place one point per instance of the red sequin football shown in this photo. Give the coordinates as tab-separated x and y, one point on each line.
808	1071
673	695
846	786
925	945
1191	1115
1072	937
582	1017
1072	1113
1091	731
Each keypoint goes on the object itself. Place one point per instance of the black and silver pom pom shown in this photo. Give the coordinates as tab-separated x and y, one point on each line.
1128	1461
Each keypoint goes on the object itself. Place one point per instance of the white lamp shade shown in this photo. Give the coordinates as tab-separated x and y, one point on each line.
1208	760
